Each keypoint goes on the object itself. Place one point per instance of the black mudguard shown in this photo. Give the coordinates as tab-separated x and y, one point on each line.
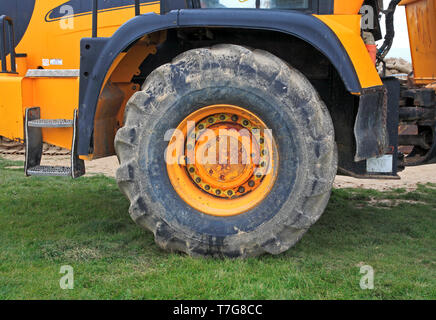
370	128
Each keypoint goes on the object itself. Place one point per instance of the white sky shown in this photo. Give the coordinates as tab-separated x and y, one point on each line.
400	47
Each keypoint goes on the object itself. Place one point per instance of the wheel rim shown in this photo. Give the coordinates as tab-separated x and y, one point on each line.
222	160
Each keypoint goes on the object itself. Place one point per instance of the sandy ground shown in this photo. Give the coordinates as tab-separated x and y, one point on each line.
409	180
409	177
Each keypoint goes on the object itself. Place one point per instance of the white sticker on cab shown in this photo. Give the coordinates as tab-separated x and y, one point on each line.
52	62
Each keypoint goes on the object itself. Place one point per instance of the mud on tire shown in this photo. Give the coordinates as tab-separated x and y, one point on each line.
262	83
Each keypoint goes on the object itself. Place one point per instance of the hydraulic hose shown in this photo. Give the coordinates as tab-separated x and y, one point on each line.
390	30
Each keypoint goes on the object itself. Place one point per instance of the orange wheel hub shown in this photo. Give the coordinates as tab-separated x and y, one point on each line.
222	160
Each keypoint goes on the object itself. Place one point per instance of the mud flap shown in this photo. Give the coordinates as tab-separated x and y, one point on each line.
370	128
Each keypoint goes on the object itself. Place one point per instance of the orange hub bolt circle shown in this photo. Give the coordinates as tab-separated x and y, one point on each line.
222	160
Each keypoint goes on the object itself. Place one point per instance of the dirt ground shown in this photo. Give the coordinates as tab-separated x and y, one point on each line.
409	178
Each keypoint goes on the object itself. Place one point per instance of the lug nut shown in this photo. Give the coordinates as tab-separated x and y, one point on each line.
245	122
218	192
234	118
191	170
207	187
211	120
198	180
201	127
261	140
241	190
251	183
222	117
230	192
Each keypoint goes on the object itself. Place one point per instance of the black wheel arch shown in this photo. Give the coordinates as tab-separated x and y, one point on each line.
98	54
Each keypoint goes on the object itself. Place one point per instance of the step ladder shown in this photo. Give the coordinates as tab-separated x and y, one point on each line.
33	138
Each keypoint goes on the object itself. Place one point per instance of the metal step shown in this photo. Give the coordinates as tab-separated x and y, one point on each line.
53	73
34	140
51	123
49	171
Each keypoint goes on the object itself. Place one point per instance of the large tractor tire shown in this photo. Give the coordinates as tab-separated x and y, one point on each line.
262	204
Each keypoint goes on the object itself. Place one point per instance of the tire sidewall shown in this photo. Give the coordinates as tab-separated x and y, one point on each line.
291	172
269	88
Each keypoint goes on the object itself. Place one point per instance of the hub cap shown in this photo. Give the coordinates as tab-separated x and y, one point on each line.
222	160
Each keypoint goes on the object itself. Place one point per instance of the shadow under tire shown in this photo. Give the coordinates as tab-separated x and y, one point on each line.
267	87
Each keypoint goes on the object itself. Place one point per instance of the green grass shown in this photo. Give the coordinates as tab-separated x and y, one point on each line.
49	222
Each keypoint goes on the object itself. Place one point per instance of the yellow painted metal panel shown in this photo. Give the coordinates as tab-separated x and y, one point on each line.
421	21
47	40
347	29
11	115
57	97
347	6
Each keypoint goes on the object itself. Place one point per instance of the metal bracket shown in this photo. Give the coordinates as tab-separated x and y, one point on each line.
3	51
33	138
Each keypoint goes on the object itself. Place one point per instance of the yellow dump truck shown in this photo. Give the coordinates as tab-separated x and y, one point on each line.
230	118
